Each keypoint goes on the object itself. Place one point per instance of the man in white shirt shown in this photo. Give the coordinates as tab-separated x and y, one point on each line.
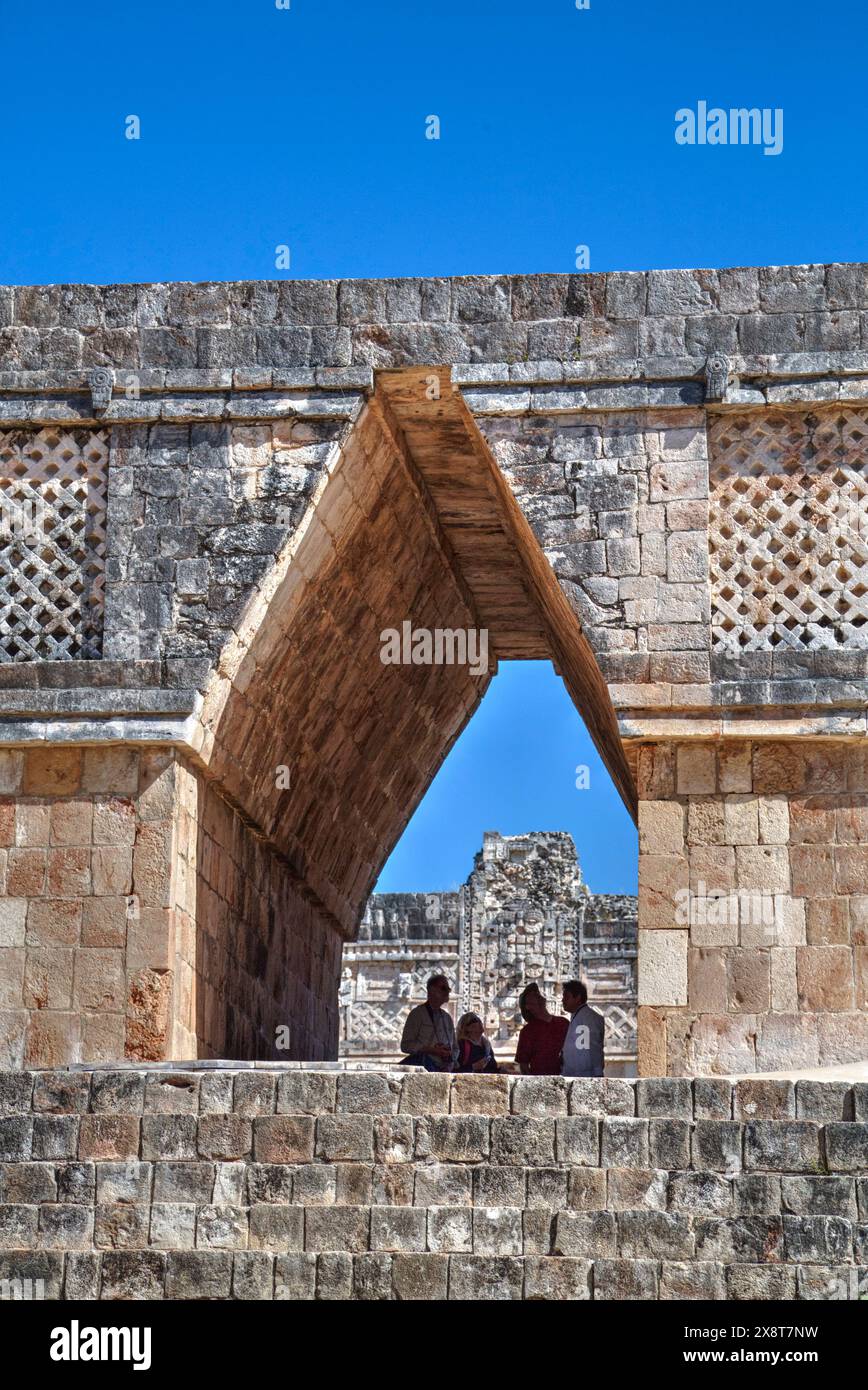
583	1053
429	1033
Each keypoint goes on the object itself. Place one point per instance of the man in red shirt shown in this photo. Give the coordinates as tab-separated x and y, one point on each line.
541	1040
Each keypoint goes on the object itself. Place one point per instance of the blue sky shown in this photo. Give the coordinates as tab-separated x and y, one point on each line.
306	127
513	770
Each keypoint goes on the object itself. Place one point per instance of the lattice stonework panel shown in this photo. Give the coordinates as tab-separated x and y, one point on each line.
788	530
52	544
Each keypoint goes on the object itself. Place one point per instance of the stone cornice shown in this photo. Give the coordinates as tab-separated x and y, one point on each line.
148	395
652	725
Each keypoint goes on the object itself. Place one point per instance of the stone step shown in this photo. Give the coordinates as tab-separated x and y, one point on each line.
362	1089
262	1275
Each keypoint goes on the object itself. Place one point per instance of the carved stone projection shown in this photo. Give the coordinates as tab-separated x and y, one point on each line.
523	914
52	544
788	538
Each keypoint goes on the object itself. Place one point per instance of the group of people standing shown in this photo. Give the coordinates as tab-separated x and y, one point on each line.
548	1044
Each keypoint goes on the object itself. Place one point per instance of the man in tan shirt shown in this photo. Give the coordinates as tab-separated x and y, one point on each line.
428	1038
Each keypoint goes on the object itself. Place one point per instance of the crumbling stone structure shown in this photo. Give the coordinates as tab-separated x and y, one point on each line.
524	914
217	497
280	1182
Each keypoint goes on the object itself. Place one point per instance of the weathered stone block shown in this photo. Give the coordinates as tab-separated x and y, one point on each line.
398	1228
756	1239
183	1182
717	1145
425	1095
450	1230
252	1275
333	1229
590	1095
372	1277
846	1147
625	1279
783	1145
632	1188
289	1139
497	1231
764	1100
306	1093
442	1184
164	1136
518	1139
577	1140
539	1095
224	1137
757	1194
121	1226
123	1182
692	1279
254	1094
747	1282
480	1095
199	1274
587	1189
417	1278
366	1093
546	1189
624	1143
669	1143
557	1280
173	1225
499	1185
482	1278
700	1192
274	1226
295	1277
656	1234
456	1138
585	1233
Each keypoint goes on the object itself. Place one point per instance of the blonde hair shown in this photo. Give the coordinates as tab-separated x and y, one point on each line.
464	1022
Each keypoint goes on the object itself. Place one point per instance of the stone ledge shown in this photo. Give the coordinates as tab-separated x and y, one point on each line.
710	724
267	404
774	378
172	729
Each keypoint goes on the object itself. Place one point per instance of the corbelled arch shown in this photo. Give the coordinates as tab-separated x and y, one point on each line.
313	752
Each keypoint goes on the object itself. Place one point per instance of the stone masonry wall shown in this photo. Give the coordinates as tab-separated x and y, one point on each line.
271	324
85	916
141	916
228	524
260	955
281	1183
770	969
619	505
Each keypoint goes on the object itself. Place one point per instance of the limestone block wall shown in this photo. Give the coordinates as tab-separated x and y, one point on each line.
272	325
619	504
753	911
282	1183
267	488
254	953
86	911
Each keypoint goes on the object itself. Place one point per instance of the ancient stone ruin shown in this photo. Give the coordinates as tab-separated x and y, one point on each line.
217	497
215	500
524	914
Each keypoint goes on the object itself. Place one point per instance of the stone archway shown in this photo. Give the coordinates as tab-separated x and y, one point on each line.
313	753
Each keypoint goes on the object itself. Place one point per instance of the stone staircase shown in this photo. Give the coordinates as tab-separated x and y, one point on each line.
274	1181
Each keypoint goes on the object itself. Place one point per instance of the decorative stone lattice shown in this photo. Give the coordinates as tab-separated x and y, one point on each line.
52	544
788	533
